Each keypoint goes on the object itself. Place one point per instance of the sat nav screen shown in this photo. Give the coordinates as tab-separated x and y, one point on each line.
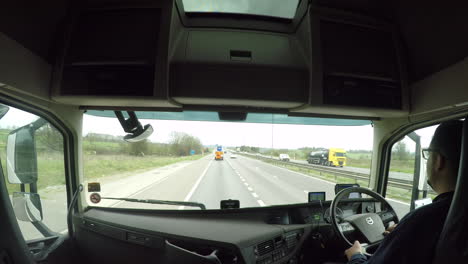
316	196
339	187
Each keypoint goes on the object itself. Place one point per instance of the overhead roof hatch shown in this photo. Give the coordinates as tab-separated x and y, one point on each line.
270	8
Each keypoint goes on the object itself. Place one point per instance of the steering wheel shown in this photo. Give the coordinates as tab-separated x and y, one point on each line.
370	225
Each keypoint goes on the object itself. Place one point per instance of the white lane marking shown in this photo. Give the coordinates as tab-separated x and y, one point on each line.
261	203
306	191
274	176
250	189
255	195
195	186
246	184
243	179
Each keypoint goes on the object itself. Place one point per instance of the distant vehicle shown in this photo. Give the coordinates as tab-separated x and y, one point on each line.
219	155
233	156
284	157
329	157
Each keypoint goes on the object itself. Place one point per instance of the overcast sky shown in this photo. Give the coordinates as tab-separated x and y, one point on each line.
279	8
236	134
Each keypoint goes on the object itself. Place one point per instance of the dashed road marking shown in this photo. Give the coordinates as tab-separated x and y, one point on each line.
261	203
306	192
250	189
246	184
255	195
243	179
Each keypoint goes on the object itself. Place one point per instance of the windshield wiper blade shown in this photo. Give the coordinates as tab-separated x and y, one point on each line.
152	201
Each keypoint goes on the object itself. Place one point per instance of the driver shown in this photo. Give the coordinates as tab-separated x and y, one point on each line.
414	239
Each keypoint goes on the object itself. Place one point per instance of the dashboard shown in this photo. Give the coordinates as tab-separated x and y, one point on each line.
279	234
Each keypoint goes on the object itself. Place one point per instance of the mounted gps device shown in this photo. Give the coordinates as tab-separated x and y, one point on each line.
230	204
341	186
316	196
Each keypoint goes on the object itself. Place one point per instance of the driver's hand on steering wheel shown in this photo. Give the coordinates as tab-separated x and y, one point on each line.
355	249
389	229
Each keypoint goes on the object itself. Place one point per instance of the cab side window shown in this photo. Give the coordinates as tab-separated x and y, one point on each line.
33	166
406	185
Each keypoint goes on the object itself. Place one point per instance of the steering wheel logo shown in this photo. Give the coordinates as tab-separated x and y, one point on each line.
369	220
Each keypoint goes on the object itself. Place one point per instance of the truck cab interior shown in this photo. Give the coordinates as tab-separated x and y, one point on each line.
84	83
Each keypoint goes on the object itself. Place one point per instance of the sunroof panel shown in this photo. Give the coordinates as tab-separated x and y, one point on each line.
271	8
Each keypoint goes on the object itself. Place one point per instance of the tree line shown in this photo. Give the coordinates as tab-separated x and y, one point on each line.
180	144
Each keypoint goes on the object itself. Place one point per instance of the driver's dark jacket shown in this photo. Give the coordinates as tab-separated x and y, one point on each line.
414	239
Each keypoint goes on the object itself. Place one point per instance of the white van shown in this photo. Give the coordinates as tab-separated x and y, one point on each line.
284	157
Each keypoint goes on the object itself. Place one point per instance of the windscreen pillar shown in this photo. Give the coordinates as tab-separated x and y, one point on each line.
417	168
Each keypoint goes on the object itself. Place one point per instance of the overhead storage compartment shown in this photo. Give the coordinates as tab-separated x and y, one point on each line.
112	52
357	65
239	69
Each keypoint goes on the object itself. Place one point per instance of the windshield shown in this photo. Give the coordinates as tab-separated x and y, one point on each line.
340	154
206	162
271	8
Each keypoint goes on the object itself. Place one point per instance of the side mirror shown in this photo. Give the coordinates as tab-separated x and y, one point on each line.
21	156
27	206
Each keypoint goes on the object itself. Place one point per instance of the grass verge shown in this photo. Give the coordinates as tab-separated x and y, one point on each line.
51	171
99	166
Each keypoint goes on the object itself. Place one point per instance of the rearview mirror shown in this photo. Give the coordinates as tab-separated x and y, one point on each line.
21	156
147	131
27	206
131	125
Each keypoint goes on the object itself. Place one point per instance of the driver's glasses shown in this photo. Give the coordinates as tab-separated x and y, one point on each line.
426	153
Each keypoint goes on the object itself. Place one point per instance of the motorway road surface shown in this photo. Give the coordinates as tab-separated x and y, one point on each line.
253	182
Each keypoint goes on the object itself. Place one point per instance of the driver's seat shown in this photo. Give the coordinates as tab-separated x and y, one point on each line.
452	246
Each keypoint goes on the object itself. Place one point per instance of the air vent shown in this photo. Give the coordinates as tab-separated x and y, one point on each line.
265	247
292	239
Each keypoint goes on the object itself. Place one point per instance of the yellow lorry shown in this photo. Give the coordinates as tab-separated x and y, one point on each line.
328	157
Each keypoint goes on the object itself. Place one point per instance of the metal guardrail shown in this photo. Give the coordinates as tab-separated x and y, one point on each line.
398	183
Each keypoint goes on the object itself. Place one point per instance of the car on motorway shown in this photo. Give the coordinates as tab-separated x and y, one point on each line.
111	113
233	156
284	157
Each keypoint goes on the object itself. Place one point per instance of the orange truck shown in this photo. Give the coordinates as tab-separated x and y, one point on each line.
219	155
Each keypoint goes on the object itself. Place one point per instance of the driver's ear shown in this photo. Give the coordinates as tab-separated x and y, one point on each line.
439	162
